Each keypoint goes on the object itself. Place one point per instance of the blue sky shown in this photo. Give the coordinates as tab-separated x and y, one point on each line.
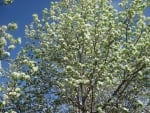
21	12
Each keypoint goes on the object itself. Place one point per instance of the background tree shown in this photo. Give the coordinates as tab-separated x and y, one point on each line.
7	43
89	56
8	88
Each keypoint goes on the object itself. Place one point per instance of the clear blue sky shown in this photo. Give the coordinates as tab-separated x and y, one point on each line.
21	12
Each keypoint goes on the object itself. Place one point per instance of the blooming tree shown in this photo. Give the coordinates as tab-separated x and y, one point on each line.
7	43
96	56
91	57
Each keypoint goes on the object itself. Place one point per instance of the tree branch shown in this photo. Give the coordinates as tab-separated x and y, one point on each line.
124	83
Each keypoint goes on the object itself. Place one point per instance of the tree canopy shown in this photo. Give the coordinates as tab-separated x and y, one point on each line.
84	56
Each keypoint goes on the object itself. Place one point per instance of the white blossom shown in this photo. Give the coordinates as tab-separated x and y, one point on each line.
10	47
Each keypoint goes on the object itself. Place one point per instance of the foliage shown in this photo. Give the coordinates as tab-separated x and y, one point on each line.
7	41
7	44
91	57
6	2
